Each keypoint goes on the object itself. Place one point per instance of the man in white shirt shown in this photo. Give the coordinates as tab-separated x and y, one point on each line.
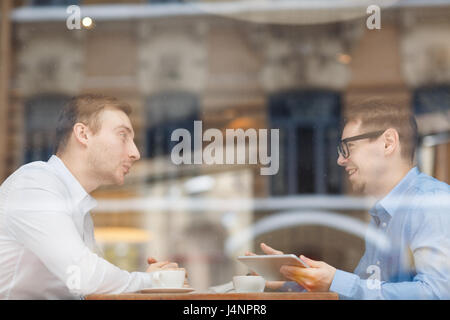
47	240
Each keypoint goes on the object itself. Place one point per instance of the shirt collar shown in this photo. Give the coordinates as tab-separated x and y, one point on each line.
77	192
391	202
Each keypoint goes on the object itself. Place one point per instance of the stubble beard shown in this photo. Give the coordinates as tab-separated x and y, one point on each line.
97	167
358	187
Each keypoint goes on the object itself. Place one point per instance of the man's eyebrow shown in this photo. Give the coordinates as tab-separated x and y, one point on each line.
124	127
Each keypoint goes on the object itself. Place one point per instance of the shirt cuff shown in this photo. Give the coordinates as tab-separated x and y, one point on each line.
344	283
146	280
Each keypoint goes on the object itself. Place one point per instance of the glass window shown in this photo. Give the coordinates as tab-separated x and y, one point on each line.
166	112
54	2
41	116
309	131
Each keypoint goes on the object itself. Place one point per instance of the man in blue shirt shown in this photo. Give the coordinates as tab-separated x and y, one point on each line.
412	211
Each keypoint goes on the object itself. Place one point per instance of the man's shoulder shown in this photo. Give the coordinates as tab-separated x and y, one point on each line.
34	187
428	198
37	174
428	185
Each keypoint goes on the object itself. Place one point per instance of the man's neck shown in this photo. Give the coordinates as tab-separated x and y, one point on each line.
78	168
389	180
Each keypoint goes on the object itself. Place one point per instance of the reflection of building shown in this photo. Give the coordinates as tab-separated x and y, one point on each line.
233	74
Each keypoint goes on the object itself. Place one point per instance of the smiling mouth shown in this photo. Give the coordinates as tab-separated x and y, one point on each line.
351	172
126	169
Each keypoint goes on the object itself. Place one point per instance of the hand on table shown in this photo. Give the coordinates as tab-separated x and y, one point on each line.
316	278
154	265
274	285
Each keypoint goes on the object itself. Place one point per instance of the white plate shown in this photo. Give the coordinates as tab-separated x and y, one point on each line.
167	290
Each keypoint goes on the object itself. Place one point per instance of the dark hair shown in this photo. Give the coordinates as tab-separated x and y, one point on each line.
85	108
378	114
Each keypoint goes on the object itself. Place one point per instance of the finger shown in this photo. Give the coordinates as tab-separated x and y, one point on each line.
151	260
310	262
172	269
160	264
296	275
295	272
170	265
293	277
269	250
253	273
274	285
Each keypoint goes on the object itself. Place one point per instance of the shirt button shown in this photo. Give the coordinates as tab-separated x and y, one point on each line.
378	262
384	224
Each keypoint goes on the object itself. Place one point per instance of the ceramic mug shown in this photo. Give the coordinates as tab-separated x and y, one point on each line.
249	283
168	278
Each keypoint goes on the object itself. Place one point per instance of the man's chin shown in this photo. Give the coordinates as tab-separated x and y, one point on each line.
120	181
358	188
115	181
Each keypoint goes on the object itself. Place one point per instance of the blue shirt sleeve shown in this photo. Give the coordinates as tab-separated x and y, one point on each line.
351	286
344	284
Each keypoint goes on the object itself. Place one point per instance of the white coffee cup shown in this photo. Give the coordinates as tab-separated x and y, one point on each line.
249	283
168	278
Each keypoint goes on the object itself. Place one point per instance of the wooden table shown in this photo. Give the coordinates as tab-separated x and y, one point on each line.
218	296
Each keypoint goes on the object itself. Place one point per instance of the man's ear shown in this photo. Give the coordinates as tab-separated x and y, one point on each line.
81	133
391	141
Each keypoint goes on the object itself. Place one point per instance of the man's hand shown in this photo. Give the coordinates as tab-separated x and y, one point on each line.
269	250
266	249
274	285
154	265
316	278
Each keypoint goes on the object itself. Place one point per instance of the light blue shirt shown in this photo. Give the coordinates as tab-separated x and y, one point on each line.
415	219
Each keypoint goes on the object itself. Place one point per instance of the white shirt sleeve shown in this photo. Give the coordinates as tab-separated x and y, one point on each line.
41	221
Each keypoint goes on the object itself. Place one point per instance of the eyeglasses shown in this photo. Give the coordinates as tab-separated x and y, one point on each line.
343	149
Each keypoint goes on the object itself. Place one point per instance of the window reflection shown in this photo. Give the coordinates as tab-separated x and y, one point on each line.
309	124
41	116
175	68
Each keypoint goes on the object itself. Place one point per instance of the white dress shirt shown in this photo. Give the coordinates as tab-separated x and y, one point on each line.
47	239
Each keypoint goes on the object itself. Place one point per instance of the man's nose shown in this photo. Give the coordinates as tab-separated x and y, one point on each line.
134	154
341	160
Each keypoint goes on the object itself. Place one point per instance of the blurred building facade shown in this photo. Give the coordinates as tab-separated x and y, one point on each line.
228	72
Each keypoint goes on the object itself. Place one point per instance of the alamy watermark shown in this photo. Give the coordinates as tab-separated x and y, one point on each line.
374	20
374	281
74	21
234	145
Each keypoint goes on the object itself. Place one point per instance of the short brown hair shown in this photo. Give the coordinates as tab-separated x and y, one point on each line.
85	108
379	114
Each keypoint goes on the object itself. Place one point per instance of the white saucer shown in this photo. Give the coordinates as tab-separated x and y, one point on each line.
167	290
